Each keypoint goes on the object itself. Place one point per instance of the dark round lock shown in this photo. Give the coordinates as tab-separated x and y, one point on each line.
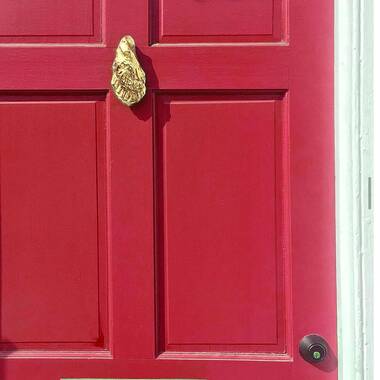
313	348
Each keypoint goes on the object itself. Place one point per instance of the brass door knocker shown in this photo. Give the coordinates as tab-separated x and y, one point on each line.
128	78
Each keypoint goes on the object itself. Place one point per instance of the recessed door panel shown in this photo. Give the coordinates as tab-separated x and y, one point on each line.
34	21
192	21
220	230
50	223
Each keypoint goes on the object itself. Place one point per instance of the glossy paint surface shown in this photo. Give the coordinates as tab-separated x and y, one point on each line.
191	236
212	21
49	222
216	195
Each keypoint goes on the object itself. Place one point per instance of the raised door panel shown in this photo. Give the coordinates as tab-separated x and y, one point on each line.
221	237
52	221
50	21
193	21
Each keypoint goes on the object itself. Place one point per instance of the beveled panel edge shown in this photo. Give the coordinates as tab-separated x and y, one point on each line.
57	354
96	37
99	98
281	97
279	35
226	356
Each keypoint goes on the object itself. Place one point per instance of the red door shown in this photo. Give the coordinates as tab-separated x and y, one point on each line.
190	236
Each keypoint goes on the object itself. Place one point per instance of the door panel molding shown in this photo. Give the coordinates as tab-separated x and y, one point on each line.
172	142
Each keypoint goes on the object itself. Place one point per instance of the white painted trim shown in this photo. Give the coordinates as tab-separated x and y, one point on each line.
376	335
353	124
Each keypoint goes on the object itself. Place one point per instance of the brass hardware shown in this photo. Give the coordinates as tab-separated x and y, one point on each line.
128	78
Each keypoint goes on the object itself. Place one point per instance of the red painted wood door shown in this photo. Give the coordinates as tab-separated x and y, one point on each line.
188	237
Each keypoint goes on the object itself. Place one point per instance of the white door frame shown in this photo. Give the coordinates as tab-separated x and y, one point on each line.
354	204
